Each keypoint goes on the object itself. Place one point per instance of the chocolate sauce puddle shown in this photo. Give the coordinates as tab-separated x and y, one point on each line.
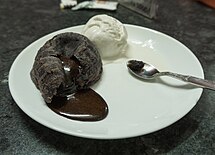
83	105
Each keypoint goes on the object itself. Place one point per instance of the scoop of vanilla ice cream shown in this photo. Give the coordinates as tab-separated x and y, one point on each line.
108	35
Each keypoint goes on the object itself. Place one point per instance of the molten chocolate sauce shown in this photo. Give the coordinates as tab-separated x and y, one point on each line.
84	105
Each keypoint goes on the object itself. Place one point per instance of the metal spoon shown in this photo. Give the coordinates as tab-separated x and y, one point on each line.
145	71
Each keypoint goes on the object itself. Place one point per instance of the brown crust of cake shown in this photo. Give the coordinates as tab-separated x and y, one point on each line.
48	73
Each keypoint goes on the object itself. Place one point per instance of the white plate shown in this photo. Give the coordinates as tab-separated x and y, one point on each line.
135	107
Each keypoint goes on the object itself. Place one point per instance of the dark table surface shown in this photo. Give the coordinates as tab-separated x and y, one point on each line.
24	21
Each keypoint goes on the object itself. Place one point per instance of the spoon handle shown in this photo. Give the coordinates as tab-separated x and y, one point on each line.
201	82
192	80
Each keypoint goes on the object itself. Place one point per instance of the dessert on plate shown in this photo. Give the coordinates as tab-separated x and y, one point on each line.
67	62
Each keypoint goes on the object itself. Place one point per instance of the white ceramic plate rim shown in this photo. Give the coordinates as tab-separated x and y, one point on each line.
105	131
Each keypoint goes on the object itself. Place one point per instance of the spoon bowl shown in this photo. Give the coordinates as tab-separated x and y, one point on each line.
142	70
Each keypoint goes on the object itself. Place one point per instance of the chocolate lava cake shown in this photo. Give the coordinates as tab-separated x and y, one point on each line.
66	63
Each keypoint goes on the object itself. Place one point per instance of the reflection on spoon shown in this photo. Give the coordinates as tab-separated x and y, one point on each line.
146	71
